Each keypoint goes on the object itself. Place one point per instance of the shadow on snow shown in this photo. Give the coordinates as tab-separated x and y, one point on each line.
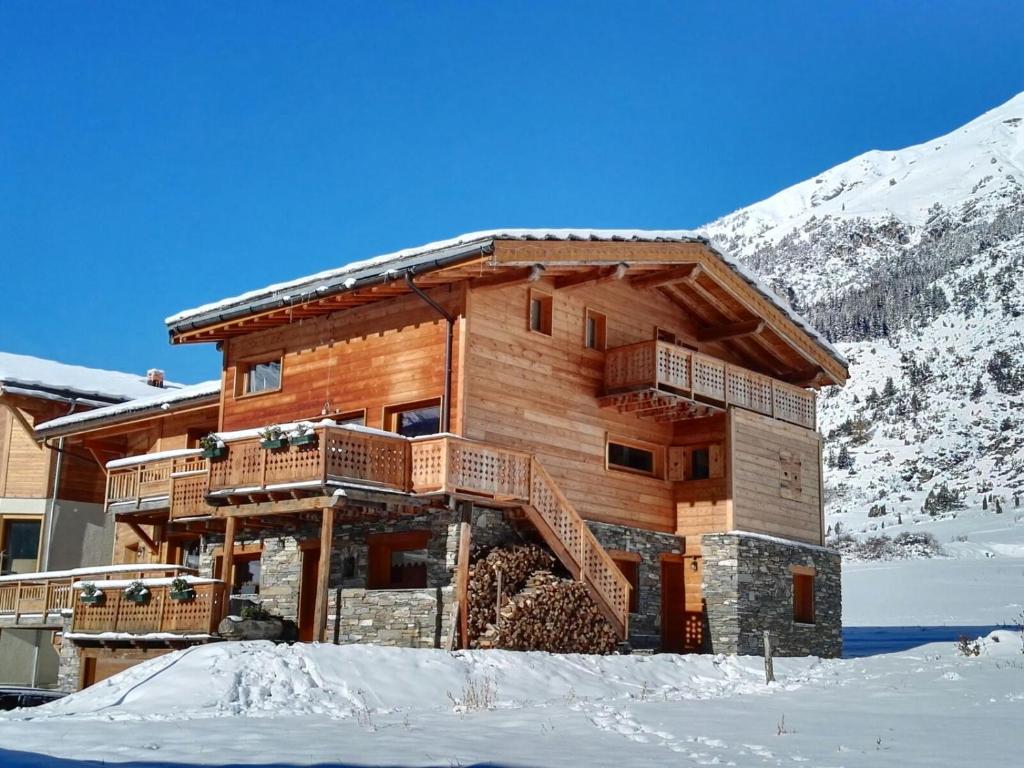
873	641
9	759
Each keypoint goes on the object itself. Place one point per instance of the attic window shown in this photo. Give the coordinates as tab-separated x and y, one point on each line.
258	376
595	330
631	456
540	312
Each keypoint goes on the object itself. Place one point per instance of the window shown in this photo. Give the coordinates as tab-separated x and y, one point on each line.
398	560
595	327
19	545
700	464
631	456
258	376
803	594
414	419
541	308
629	564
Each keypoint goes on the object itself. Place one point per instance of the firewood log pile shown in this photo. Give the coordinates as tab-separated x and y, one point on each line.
539	610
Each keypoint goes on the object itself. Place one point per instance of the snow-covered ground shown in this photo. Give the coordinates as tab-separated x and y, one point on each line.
255	703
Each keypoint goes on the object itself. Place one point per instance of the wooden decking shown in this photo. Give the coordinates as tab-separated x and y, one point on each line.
655	379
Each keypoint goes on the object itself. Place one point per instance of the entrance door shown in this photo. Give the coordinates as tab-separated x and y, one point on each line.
673	605
307	594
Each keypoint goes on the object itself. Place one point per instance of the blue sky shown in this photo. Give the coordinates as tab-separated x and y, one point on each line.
155	156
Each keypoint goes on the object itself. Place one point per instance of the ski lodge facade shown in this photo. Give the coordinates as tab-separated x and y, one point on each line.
633	401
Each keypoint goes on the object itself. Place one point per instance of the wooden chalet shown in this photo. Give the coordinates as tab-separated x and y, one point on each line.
635	401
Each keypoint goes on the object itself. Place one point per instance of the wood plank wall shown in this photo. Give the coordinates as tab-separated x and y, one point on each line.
539	393
759	445
26	472
702	505
367	358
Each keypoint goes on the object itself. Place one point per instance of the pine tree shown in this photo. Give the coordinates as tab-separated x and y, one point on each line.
984	502
889	391
844	460
978	390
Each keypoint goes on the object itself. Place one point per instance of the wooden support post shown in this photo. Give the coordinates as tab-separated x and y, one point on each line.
228	564
462	577
323	574
769	667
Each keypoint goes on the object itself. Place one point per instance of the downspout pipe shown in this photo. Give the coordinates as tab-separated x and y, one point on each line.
446	400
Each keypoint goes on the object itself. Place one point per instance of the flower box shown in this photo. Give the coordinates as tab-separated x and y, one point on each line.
275	444
137	597
96	598
309	438
216	452
183	595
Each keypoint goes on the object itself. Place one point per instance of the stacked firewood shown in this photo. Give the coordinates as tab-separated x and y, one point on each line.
539	610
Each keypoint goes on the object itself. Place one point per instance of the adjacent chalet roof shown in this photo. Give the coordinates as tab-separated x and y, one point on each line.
50	380
440	262
166	401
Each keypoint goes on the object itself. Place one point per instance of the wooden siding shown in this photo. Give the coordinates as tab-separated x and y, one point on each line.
539	393
761	502
367	358
702	506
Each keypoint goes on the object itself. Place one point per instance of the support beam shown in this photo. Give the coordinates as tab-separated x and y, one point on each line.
688	272
462	576
805	377
591	276
323	574
731	330
228	564
144	538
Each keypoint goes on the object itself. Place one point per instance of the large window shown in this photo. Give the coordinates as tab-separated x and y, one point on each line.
19	545
257	376
414	419
398	560
632	456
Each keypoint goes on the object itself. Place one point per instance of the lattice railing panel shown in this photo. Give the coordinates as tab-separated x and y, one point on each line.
709	377
188	495
370	458
674	366
158	614
489	471
630	366
426	465
794	405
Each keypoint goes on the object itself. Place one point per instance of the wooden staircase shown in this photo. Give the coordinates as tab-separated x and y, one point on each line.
569	537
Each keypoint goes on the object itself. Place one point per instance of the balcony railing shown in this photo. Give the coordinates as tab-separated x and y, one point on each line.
667	367
32	597
159	614
148	480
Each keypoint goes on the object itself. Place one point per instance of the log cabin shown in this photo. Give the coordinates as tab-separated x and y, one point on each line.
51	501
635	401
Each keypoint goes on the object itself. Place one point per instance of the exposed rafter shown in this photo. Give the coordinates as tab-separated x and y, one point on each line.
657	279
731	330
591	276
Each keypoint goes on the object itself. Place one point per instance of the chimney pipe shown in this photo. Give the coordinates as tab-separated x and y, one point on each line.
155	378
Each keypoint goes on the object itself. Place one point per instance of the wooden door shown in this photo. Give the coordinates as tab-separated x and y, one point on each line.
307	593
673	605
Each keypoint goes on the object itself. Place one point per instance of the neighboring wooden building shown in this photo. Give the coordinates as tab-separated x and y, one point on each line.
634	400
51	501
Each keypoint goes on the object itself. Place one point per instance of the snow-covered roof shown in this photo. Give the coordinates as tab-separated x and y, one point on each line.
166	400
350	276
49	379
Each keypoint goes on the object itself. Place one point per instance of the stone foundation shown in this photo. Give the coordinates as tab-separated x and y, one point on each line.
645	624
408	618
748	588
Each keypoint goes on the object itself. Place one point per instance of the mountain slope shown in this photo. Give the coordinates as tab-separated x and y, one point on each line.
910	261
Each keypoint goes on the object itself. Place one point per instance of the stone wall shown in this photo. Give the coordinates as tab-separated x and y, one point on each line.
748	588
645	624
69	666
408	618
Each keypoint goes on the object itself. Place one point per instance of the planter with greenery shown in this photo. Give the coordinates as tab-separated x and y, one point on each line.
213	447
303	434
90	594
182	591
272	438
137	592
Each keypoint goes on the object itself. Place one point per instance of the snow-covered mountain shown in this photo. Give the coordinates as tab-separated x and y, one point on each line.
912	262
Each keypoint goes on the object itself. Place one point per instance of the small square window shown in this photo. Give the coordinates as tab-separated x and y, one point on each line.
803	598
595	330
258	376
540	309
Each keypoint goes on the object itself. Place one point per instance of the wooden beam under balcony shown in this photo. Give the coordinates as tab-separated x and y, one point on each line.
657	279
731	330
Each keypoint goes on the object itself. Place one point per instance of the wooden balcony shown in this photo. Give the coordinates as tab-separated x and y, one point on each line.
160	614
38	599
659	380
175	482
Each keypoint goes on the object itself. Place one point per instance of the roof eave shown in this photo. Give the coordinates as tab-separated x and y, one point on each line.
127	417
